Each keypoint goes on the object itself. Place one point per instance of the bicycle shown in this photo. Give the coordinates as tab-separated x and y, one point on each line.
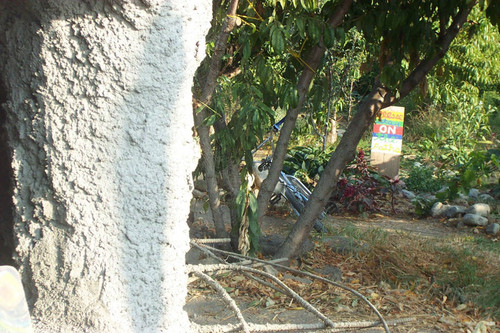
288	187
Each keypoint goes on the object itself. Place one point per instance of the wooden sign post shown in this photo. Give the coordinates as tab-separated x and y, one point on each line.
387	141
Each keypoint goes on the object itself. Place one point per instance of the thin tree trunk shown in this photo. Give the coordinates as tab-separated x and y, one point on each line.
344	153
230	179
351	87
305	79
379	97
330	136
203	130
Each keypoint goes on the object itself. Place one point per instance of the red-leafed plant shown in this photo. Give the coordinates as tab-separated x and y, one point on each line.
359	186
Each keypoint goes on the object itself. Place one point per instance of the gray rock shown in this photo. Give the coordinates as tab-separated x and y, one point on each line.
333	273
200	185
343	245
462	200
408	194
475	220
269	244
429	197
443	189
438	209
479	209
493	229
197	257
486	198
473	193
454	210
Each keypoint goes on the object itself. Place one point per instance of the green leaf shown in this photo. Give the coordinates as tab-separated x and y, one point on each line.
301	26
263	71
249	160
277	38
328	36
247	50
309	5
240	203
468	176
293	94
254	228
313	30
210	120
252	202
340	35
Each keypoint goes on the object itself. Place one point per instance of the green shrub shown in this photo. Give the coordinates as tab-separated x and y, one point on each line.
477	171
306	163
422	179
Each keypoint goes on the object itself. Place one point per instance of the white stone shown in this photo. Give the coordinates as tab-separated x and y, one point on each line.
479	209
439	209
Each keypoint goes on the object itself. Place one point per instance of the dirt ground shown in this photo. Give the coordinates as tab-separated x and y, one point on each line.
415	307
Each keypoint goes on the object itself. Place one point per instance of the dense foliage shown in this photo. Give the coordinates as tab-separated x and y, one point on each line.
377	42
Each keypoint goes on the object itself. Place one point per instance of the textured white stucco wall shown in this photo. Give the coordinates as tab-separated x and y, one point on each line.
100	122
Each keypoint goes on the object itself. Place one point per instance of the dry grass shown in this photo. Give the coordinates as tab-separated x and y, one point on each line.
454	271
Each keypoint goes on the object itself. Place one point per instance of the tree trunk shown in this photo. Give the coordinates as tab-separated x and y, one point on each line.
331	136
205	99
344	153
313	61
379	97
98	94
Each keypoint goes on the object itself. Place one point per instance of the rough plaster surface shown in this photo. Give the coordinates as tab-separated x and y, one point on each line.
99	121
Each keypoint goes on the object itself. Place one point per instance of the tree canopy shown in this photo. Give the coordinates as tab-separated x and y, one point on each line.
311	56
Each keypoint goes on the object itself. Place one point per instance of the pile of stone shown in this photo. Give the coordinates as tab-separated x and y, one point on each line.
478	214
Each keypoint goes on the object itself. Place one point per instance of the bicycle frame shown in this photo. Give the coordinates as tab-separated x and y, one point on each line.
299	193
288	187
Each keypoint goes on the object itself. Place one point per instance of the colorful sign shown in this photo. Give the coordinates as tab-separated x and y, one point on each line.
388	131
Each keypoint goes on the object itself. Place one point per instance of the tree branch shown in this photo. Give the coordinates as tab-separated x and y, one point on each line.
225	297
442	46
379	97
314	276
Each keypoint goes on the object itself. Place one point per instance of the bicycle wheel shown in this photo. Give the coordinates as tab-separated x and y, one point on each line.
299	204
